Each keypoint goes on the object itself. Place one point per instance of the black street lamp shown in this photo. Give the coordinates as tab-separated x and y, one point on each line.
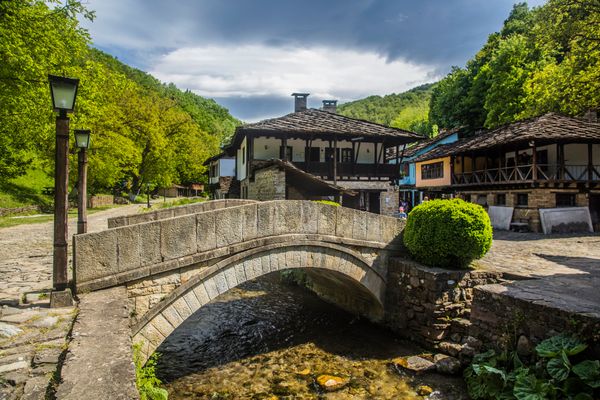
82	140
64	93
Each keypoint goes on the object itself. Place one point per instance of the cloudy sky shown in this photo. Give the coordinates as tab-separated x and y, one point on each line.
250	55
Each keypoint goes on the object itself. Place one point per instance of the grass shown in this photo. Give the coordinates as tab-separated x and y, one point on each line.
26	190
9	221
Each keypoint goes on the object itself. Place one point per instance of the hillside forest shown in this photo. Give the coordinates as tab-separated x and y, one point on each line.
544	59
143	131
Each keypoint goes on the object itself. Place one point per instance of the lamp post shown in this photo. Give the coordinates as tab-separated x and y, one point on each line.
64	92
82	140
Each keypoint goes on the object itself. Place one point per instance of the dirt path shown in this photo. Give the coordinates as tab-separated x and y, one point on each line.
26	253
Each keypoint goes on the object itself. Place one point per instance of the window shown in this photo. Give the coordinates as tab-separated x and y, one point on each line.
432	171
346	155
289	152
566	200
522	199
243	155
501	199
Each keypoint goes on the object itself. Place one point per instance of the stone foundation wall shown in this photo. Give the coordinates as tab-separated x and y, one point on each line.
432	306
537	198
18	210
269	184
501	316
144	294
389	202
101	200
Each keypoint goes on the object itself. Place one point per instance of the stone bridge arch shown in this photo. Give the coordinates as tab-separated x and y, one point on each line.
159	322
156	259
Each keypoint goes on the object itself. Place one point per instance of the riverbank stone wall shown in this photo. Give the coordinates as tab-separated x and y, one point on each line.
504	316
432	306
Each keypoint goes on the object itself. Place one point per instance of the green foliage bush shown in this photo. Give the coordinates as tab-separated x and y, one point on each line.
145	377
551	374
448	233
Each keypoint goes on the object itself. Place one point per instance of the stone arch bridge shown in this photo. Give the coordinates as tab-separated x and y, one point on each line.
174	261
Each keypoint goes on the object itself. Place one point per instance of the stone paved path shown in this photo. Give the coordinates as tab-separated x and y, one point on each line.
561	272
538	255
33	336
26	253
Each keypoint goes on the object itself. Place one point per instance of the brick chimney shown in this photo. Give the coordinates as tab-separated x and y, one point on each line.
300	101
330	106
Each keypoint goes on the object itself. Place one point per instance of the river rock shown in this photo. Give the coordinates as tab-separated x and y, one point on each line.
424	390
331	383
414	363
524	347
446	364
8	330
450	348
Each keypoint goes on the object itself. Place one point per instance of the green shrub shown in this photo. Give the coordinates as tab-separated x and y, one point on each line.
146	381
448	233
557	371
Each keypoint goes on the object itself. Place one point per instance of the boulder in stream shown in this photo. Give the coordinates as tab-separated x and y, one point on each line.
331	383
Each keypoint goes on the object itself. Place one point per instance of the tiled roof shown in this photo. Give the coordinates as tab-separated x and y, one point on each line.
549	127
299	174
313	121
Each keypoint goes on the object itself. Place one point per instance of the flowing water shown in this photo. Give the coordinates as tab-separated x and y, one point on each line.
270	340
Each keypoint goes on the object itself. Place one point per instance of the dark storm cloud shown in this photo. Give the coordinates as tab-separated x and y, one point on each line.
433	32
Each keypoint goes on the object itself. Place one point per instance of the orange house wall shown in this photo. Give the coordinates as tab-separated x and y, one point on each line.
443	181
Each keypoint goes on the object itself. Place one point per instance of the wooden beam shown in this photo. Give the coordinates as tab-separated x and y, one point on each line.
284	148
534	172
335	160
590	163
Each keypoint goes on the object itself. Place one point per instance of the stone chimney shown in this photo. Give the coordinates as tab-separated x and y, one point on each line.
591	115
330	106
300	101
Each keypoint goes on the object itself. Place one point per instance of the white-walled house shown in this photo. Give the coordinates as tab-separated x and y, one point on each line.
318	154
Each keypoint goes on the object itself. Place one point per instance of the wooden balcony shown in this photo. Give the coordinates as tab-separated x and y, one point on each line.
529	174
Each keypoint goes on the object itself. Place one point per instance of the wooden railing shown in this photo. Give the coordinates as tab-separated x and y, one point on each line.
528	173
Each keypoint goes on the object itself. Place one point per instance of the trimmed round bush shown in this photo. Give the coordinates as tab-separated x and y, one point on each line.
448	233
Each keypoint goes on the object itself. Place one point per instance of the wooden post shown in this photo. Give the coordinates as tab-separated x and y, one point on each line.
335	159
82	192
590	164
353	159
284	148
61	205
561	161
534	171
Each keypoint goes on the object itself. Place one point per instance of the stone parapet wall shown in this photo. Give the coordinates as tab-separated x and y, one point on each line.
127	253
432	305
502	314
174	212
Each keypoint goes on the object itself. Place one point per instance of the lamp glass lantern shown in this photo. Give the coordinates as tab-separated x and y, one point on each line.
64	93
82	138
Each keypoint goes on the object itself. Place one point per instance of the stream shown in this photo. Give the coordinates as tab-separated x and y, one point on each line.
270	340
